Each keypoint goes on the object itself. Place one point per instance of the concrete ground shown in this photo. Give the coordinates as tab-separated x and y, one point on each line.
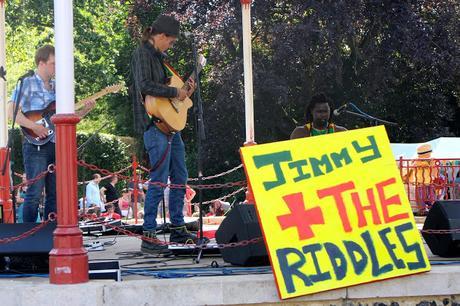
182	280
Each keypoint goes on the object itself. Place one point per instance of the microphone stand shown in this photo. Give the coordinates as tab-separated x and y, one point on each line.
81	148
198	109
15	114
374	121
10	144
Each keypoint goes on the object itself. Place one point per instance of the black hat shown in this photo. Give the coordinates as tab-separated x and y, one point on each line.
167	25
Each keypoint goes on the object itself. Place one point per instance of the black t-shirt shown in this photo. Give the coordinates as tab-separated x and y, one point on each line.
111	193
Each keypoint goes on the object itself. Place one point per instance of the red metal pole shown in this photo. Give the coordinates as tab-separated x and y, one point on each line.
5	195
68	259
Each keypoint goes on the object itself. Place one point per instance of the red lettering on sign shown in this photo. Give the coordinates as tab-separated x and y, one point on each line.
336	192
385	202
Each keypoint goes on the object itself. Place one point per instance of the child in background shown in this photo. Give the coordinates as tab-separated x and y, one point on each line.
110	213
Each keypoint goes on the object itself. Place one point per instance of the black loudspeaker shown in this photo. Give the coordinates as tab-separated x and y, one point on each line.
29	254
242	224
444	215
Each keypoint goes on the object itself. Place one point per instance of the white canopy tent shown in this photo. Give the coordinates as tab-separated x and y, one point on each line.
443	147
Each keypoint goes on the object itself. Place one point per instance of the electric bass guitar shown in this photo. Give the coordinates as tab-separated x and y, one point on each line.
172	112
43	117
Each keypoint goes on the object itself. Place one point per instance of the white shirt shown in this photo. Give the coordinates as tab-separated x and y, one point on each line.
93	196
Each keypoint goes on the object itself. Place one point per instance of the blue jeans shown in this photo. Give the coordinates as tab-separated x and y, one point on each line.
173	165
36	160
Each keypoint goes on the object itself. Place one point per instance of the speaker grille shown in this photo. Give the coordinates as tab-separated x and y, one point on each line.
241	224
444	215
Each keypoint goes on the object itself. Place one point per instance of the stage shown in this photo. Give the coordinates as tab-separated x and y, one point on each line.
181	280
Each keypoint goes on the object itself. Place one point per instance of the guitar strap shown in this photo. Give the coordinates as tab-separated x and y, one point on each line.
167	71
163	157
158	123
162	126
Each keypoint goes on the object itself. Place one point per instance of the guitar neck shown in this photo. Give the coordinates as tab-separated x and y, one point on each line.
95	96
193	76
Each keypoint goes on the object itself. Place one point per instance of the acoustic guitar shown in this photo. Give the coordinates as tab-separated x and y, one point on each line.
43	117
171	111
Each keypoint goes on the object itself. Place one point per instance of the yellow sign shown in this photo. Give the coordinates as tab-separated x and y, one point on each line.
333	211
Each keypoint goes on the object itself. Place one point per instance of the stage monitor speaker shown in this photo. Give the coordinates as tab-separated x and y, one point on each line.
29	254
39	242
444	215
242	224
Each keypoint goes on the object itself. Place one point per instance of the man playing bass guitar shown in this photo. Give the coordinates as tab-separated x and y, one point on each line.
37	94
166	149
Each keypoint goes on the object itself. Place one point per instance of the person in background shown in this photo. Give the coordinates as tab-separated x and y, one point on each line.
456	189
110	213
189	195
93	195
20	197
422	173
218	208
110	193
125	202
318	116
136	206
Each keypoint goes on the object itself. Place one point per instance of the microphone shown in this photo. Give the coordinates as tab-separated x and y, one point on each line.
3	73
340	110
27	74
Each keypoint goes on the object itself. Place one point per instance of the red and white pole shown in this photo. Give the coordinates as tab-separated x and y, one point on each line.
68	259
5	196
248	81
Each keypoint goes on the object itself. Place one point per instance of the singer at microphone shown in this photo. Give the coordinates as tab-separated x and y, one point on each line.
318	116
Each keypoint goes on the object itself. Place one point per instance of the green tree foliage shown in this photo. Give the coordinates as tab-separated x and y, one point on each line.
398	60
102	49
106	152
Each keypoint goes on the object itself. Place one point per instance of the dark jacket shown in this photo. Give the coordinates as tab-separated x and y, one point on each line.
149	77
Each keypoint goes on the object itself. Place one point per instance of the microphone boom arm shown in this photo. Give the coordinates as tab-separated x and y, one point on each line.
369	117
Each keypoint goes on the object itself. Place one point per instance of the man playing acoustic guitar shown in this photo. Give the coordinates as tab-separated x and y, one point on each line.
166	149
37	94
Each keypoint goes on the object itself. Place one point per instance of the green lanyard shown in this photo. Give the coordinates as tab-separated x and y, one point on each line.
315	132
